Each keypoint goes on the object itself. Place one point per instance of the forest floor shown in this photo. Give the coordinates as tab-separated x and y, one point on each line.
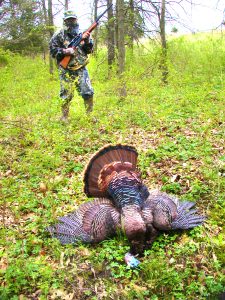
178	130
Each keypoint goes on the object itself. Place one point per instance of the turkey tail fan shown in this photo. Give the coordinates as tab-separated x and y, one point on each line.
92	222
107	155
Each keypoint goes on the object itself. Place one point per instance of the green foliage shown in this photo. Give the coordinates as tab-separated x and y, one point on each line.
4	58
178	130
24	275
22	27
174	30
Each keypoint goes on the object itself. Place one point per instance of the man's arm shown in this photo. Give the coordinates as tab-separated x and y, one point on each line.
56	47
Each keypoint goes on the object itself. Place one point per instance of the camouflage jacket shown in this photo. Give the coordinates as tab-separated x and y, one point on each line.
61	40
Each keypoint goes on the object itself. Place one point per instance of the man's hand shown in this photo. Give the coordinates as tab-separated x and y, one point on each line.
68	51
86	35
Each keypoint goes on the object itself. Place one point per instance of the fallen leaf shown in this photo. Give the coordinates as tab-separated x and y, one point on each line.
43	187
8	173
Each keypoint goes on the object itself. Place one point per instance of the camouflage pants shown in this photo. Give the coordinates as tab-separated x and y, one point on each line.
79	79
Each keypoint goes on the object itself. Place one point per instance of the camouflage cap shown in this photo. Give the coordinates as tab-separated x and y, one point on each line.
69	14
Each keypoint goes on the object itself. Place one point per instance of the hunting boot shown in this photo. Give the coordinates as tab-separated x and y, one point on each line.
88	103
65	113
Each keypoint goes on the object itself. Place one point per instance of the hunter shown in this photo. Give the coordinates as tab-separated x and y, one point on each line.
75	75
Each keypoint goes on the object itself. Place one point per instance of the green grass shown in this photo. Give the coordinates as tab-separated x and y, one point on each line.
178	130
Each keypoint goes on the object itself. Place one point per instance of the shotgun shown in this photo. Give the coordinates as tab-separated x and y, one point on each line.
76	41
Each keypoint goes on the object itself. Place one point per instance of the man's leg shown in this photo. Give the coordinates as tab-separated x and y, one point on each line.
85	89
88	103
66	93
65	112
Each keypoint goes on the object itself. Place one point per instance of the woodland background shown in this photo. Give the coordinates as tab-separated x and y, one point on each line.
162	93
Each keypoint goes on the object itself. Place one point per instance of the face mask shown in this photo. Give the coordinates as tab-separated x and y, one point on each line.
73	29
71	23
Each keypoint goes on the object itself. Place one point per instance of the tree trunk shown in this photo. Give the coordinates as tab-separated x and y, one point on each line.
44	10
121	39
66	4
162	24
121	46
131	23
111	36
13	16
95	35
51	32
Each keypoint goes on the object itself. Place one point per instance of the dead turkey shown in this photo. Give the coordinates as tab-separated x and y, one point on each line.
122	202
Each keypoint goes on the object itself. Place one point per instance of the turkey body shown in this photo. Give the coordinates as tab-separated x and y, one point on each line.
122	202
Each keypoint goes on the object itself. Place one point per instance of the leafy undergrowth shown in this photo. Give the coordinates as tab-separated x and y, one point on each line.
178	130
